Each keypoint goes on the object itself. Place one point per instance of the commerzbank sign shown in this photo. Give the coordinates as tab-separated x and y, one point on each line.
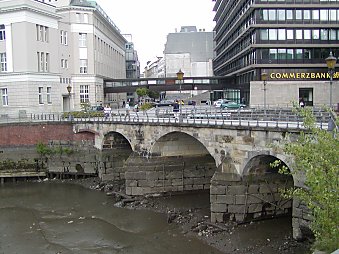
303	75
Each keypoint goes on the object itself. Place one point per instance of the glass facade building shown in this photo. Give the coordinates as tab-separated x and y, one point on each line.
288	39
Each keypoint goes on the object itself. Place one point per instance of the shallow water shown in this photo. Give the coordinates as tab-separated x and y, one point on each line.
52	218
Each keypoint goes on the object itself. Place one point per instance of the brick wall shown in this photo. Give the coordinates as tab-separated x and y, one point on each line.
29	134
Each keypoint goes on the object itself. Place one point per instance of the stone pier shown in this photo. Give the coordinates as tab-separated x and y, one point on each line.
249	197
168	174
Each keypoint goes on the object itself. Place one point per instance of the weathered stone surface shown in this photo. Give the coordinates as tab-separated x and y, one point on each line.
218	190
225	199
235	209
236	190
218	208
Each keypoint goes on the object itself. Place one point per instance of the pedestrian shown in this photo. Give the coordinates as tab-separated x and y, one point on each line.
123	104
127	107
136	108
301	102
107	111
176	107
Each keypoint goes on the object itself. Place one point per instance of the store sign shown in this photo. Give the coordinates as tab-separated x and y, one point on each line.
303	75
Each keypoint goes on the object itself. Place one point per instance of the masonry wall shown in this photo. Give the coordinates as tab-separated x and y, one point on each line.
168	174
30	134
250	197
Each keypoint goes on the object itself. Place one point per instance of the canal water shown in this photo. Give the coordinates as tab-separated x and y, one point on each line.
51	218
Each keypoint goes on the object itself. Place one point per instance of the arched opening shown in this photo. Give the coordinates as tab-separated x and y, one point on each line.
264	186
116	150
177	163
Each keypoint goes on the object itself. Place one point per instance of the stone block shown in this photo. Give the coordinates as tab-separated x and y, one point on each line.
153	175
131	183
240	199
137	191
297	212
225	199
218	208
236	190
197	181
217	217
219	190
235	209
198	187
239	217
254	208
128	190
253	189
177	182
213	198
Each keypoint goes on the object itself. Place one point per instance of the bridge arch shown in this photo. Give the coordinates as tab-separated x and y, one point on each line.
177	143
114	139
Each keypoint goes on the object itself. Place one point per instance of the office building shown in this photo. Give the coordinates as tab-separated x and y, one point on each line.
288	40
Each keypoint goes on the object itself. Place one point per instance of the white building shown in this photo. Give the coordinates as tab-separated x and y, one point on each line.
47	46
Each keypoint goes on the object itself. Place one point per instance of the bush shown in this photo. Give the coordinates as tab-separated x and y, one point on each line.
146	106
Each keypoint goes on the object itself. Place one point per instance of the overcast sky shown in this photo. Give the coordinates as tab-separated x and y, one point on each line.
149	21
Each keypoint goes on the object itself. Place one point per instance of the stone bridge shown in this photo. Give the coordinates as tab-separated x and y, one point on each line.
232	162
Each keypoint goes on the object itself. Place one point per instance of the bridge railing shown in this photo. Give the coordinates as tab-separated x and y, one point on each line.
196	116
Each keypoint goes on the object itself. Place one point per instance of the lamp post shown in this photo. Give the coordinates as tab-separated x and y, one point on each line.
264	77
69	90
180	77
330	62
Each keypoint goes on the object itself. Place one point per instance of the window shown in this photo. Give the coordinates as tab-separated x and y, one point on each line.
323	34
307	34
47	62
84	93
42	60
85	18
63	37
323	15
264	34
273	54
2	33
3	62
333	15
4	96
273	34
49	95
272	15
290	34
42	33
289	14
41	99
315	14
281	34
82	40
332	34
298	54
83	65
289	54
299	34
281	14
315	34
307	14
298	14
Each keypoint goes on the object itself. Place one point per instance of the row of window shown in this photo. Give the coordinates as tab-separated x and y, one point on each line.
290	54
4	95
298	14
299	34
65	80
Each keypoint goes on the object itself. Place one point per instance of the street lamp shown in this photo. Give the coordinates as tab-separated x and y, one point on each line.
69	90
180	77
264	77
331	61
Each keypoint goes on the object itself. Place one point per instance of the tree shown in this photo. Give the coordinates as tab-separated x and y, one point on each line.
141	92
316	157
153	94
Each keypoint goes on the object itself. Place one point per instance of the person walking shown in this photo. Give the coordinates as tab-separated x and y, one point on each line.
176	108
127	107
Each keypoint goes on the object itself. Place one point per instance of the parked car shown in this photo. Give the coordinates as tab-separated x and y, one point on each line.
96	109
165	103
232	104
219	102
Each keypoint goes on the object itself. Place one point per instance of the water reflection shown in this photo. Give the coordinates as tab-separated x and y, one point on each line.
64	218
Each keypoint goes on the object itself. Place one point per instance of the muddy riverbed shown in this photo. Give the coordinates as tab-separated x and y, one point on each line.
190	211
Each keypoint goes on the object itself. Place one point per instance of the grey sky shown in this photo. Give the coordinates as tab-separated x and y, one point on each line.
149	21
